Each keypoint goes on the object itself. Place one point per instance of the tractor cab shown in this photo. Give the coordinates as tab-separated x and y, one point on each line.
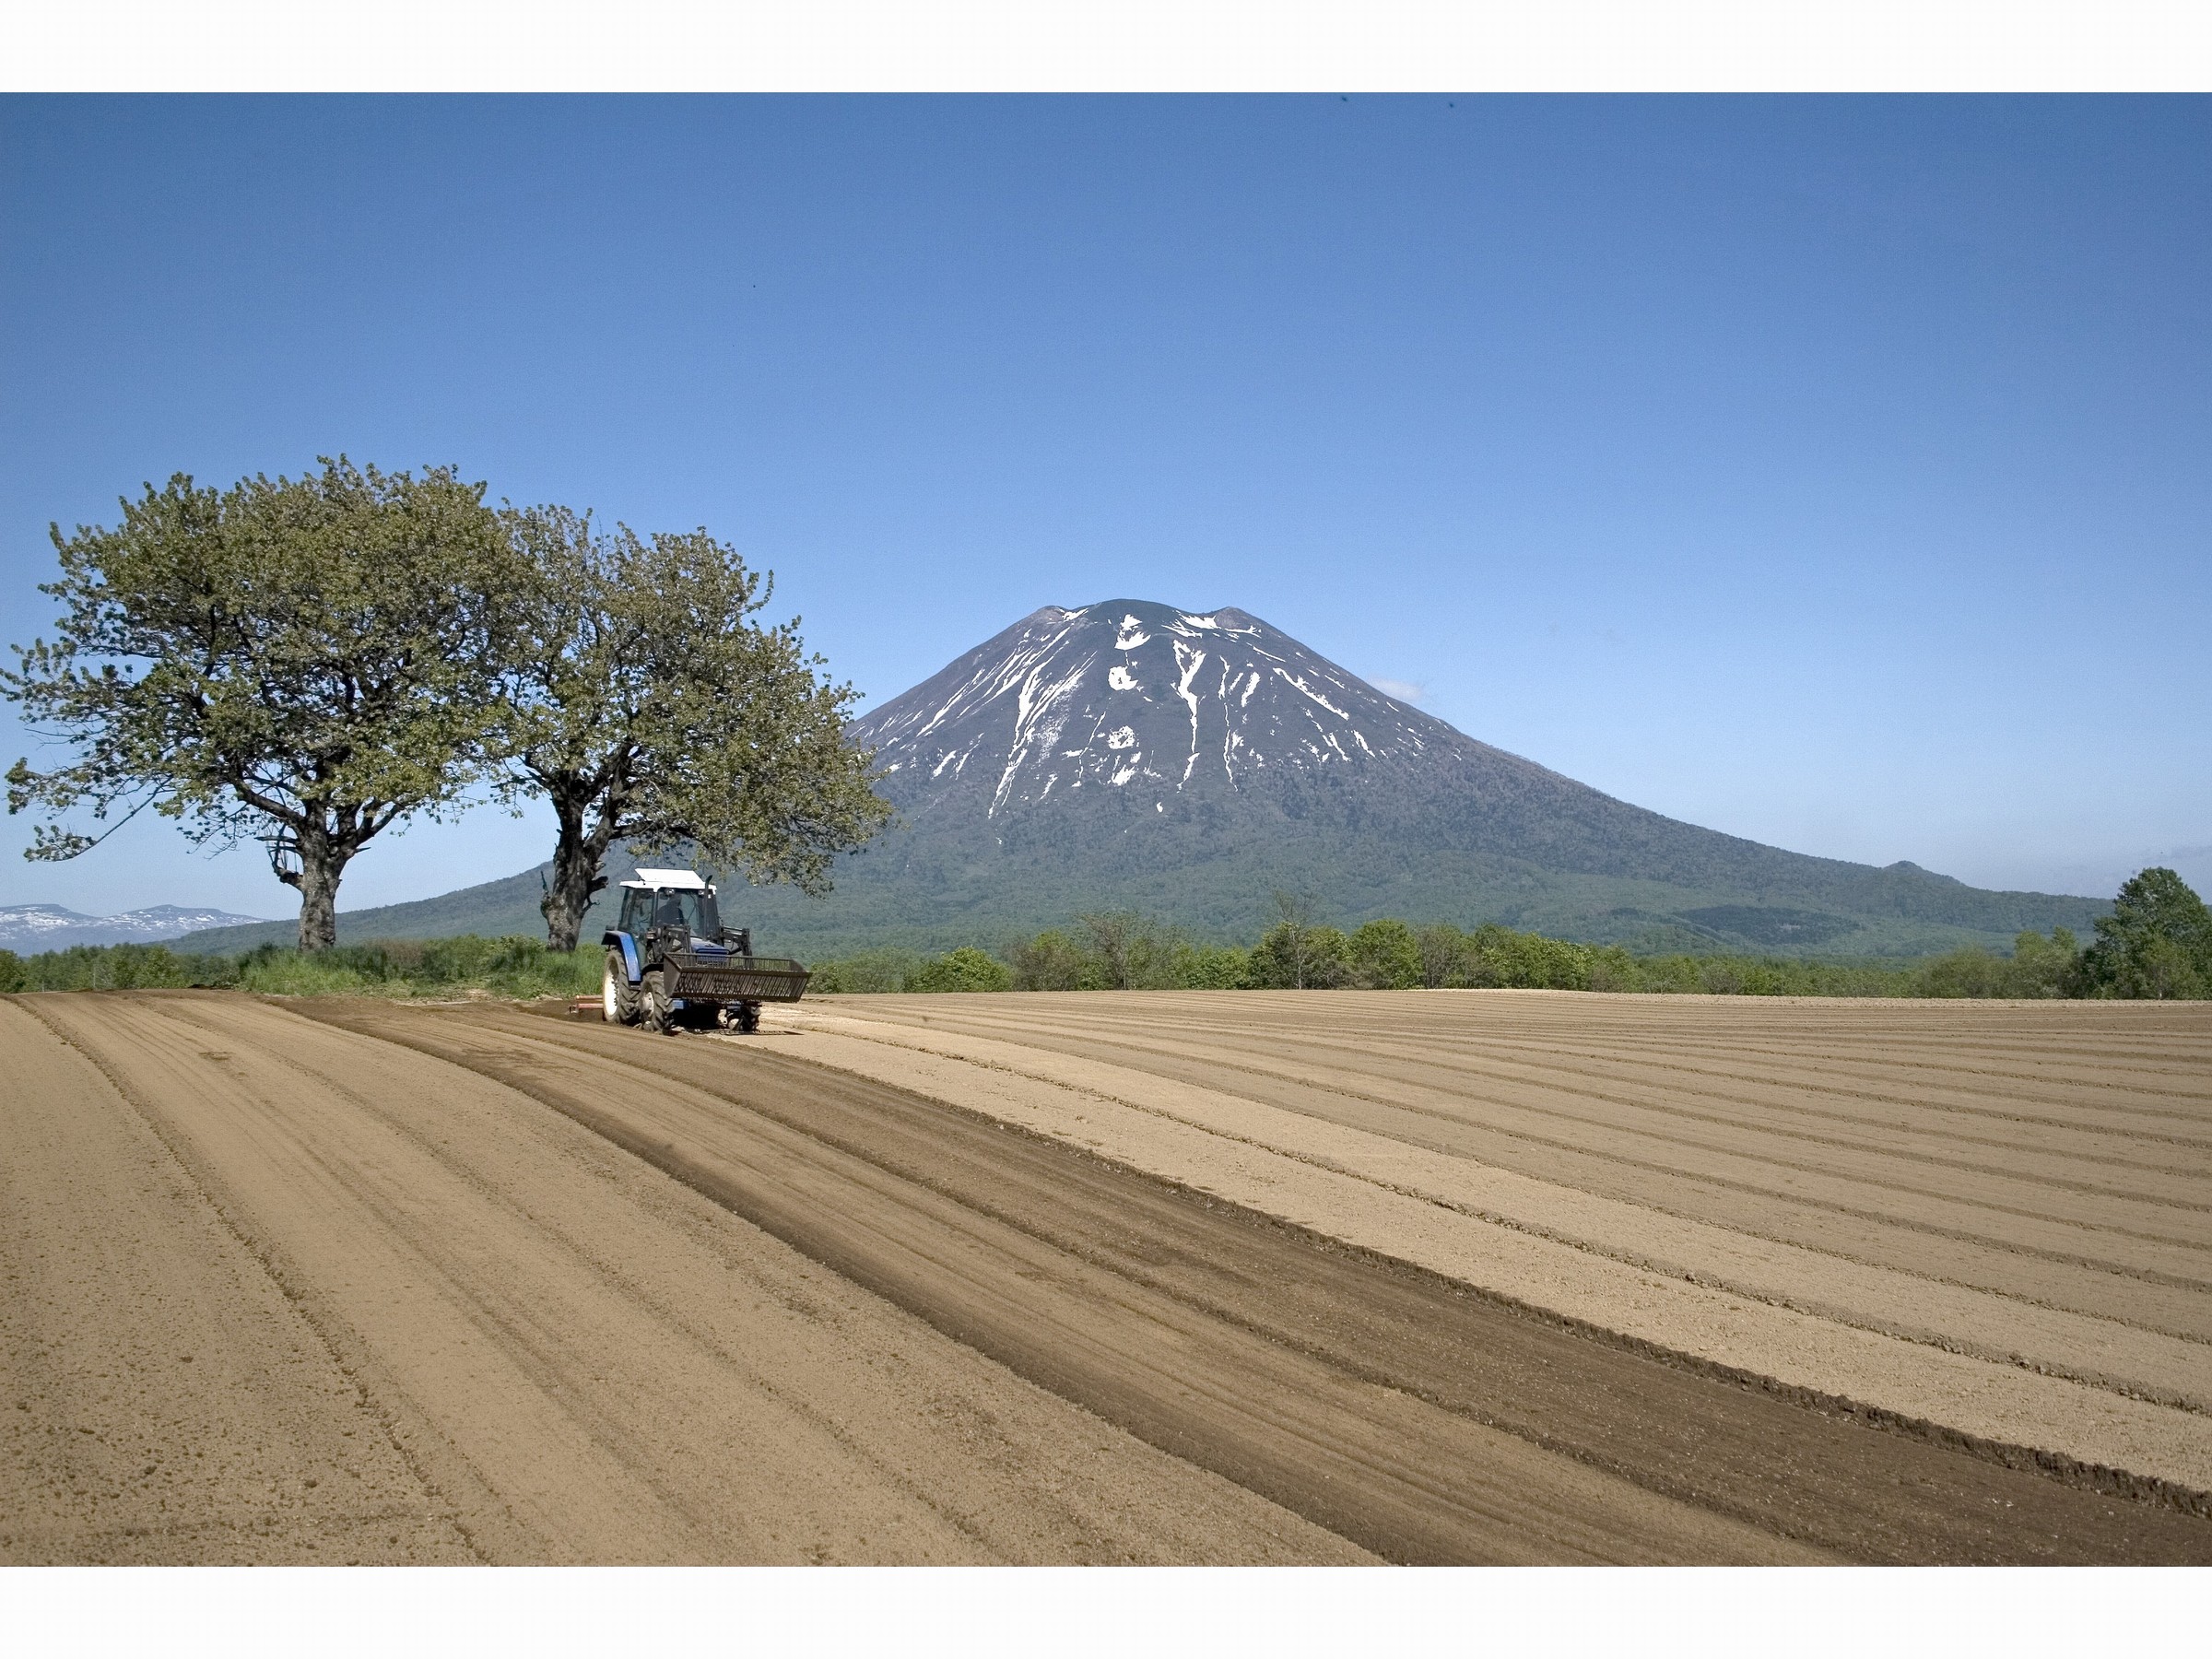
671	965
688	912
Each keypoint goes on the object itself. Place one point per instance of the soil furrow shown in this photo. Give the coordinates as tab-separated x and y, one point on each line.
1754	1130
1522	1240
1788	1069
1369	1461
161	1398
1808	1207
629	1372
474	1281
1826	1478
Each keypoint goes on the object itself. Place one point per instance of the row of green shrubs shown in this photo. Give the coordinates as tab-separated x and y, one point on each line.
1393	955
1382	955
2156	943
398	968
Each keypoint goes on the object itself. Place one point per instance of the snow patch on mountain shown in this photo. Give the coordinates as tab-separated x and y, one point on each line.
1196	700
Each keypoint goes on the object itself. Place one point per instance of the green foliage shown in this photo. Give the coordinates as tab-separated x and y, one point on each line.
1383	955
1294	955
2157	943
515	968
1052	962
1498	956
1128	951
300	661
2044	967
1970	972
2037	967
645	704
1611	969
1392	955
1389	954
1212	968
113	967
966	969
1297	953
871	973
1438	946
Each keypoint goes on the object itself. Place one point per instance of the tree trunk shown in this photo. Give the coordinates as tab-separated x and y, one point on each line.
577	858
322	863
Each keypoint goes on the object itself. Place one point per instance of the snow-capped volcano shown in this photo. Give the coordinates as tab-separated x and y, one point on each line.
1190	762
1134	696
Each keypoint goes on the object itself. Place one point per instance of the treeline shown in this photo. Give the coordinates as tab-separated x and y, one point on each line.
511	968
2156	944
1391	955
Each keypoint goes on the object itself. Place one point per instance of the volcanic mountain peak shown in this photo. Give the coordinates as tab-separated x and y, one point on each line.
1128	692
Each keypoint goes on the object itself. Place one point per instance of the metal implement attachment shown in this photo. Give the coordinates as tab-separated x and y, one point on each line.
735	978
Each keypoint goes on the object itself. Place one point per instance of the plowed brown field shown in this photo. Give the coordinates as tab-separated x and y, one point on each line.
1221	1278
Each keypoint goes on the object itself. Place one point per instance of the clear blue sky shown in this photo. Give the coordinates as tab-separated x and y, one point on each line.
1832	472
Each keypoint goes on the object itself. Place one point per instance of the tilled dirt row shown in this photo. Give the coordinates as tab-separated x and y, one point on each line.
948	1215
556	1292
2081	1179
160	1399
277	1291
2099	1391
1391	1406
1257	1098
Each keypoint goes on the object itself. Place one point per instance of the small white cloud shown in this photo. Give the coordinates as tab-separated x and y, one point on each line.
1404	690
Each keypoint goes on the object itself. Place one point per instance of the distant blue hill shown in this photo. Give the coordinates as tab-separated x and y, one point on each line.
27	929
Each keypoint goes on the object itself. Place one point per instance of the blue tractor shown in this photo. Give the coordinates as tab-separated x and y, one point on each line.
672	966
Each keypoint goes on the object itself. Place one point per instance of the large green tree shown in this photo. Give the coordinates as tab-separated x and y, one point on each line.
2156	942
1297	953
648	707
301	662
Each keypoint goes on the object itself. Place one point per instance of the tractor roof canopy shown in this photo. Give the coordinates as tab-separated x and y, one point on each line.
682	881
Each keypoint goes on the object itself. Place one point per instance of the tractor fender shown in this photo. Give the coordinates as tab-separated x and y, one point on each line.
629	954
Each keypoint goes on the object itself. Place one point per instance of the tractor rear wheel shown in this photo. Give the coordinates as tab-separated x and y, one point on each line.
658	1006
617	997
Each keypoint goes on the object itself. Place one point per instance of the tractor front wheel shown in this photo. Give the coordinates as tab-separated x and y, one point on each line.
658	1006
617	997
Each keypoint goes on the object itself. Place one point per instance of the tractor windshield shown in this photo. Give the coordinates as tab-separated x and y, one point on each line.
692	910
